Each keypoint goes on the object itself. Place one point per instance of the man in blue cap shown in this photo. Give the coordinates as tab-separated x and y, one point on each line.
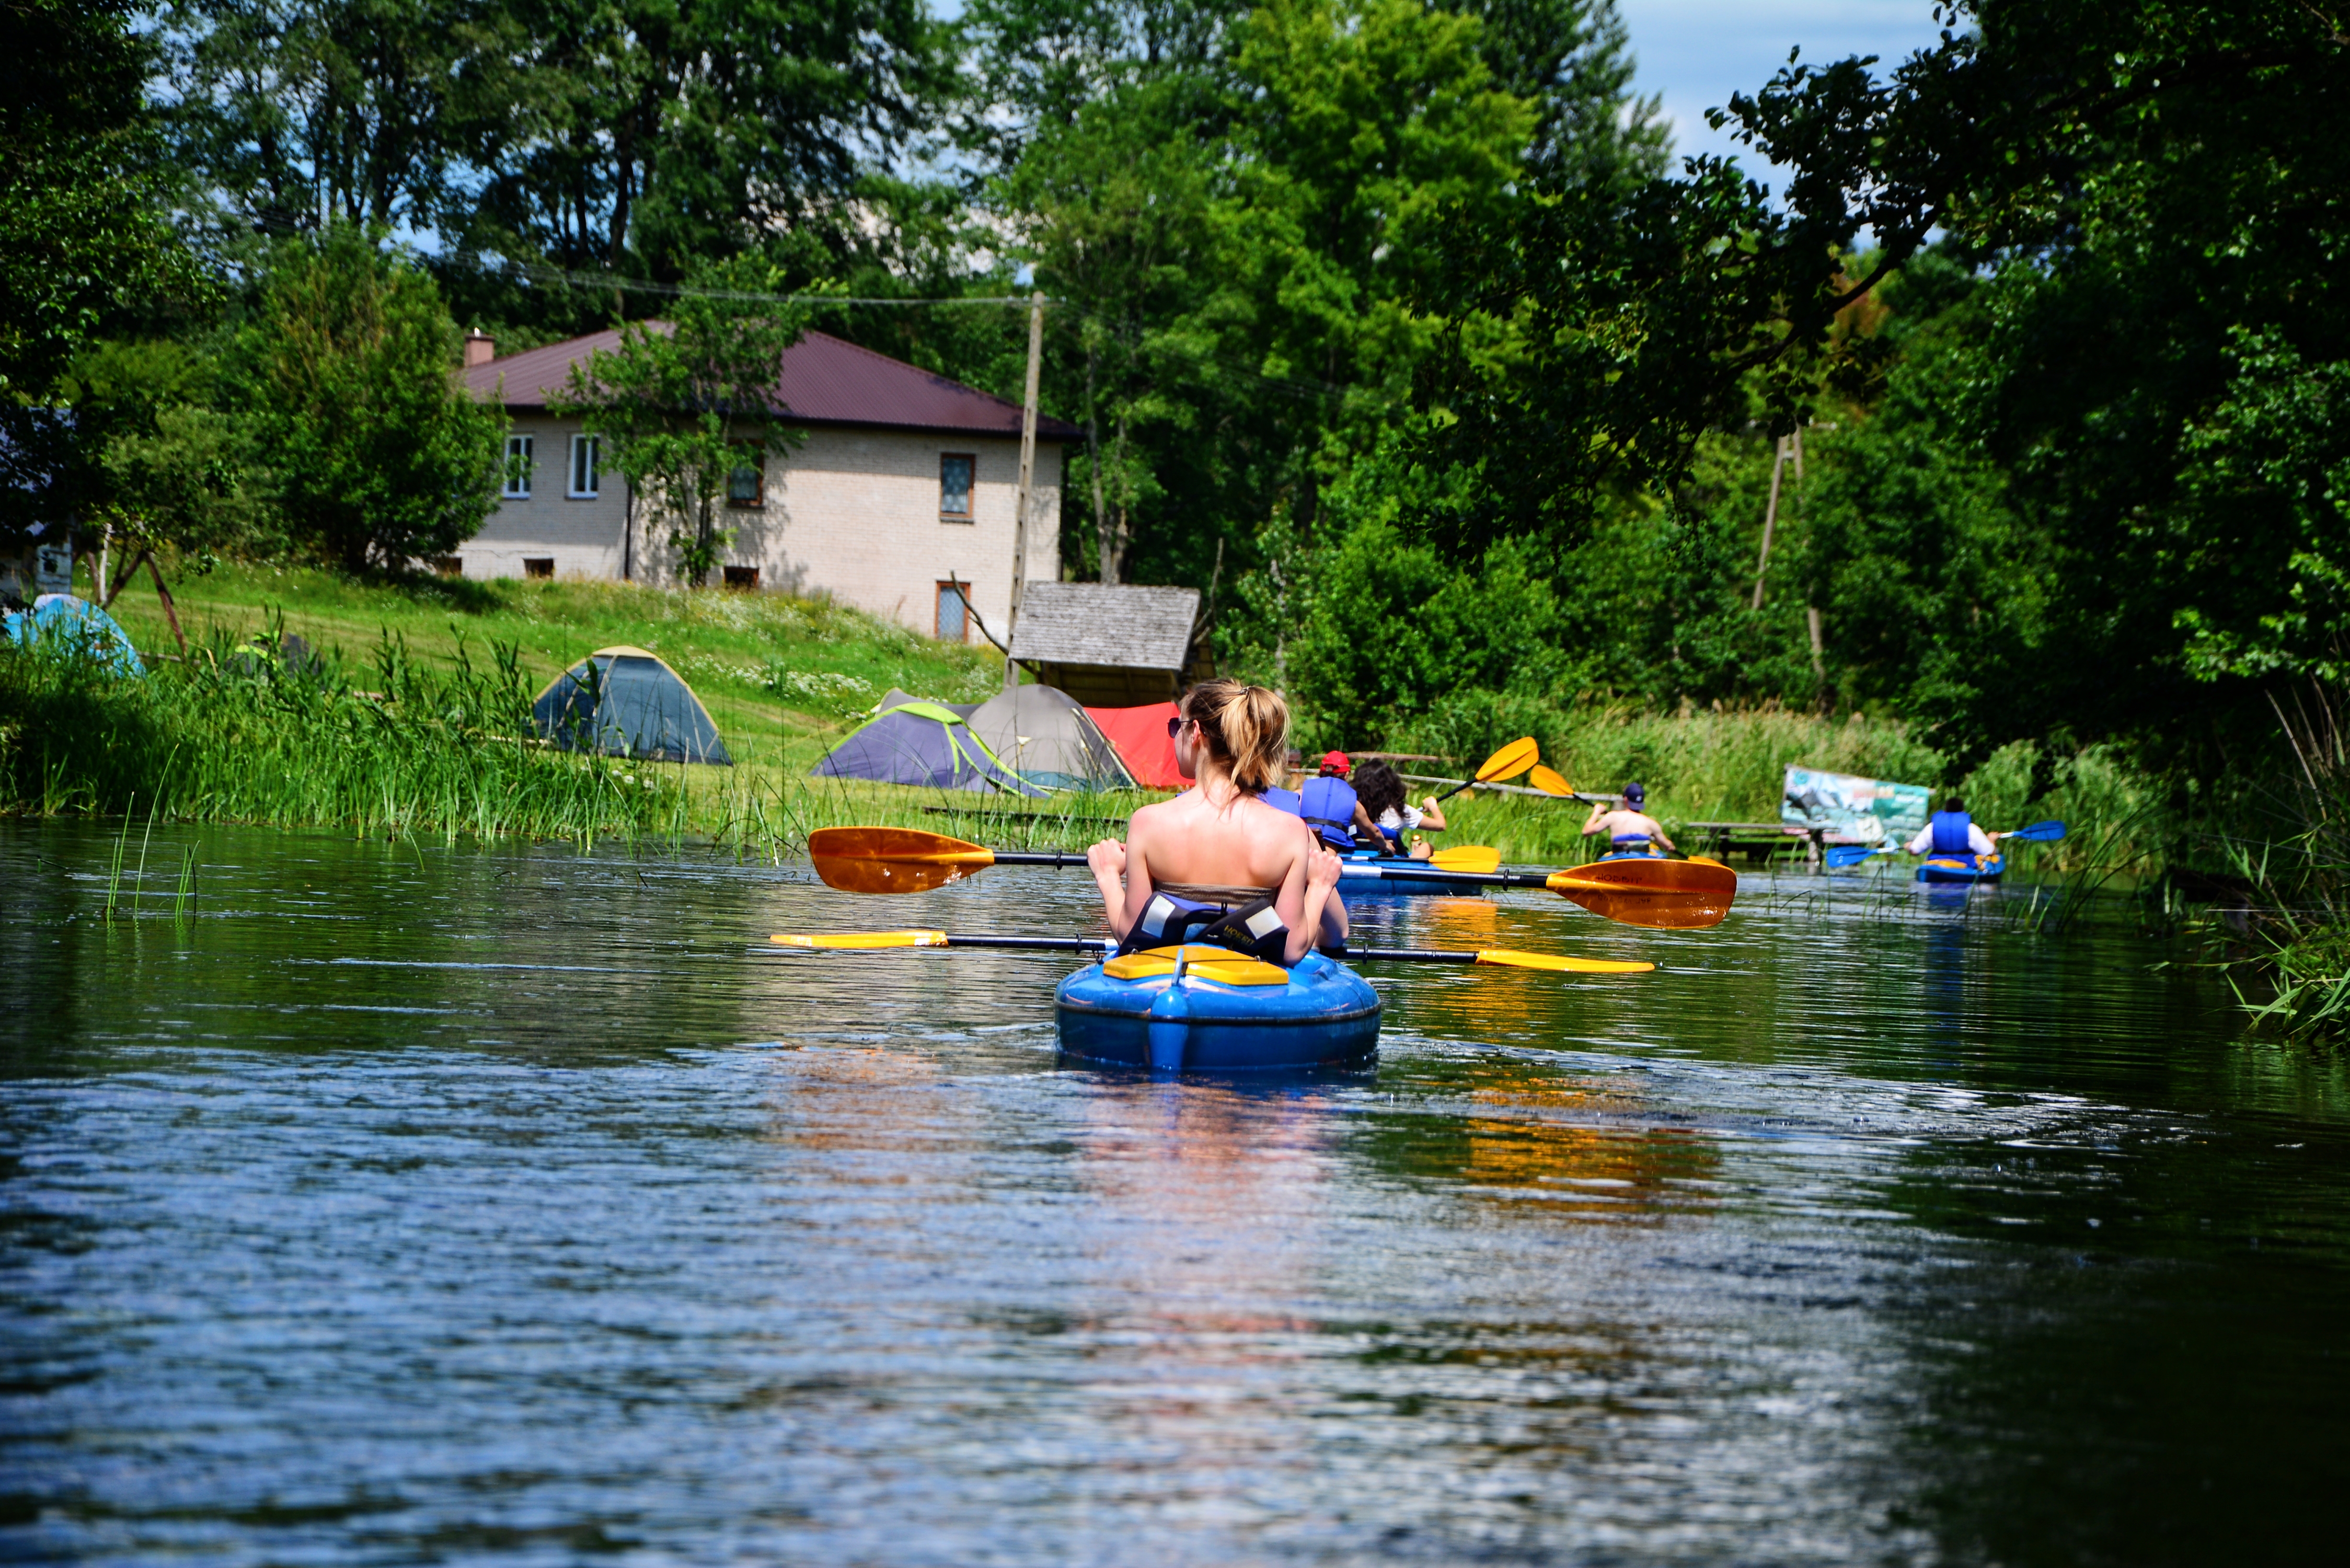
1630	831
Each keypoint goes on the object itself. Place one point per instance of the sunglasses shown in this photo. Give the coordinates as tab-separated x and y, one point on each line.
1175	725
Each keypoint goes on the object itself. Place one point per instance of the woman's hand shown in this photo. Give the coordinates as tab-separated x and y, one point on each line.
1108	859
1321	870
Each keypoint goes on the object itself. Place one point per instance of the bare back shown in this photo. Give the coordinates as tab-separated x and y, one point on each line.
1245	844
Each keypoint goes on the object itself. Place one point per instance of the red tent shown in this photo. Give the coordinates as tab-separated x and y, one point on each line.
1140	736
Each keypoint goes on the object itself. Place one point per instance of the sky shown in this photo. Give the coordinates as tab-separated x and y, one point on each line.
1695	53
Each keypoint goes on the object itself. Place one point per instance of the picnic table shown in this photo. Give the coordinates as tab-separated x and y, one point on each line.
1719	838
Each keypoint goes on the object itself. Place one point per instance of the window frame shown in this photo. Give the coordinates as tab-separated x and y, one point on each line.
962	592
593	446
970	489
758	473
516	486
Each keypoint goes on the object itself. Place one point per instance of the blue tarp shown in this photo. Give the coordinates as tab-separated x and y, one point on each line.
625	702
63	621
911	741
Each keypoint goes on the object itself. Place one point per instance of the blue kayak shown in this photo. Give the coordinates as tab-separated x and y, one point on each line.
1230	1013
1359	874
1962	869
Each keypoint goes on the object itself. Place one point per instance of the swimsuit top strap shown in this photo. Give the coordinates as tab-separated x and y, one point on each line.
1213	892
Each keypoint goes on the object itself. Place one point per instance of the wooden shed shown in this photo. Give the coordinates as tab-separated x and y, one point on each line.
1107	647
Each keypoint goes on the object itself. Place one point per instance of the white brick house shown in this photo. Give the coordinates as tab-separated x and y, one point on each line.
904	483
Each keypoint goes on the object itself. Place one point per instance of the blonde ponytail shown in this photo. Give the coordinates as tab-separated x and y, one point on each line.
1246	728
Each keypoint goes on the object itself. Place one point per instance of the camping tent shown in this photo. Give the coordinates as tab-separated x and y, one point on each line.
625	702
1044	736
63	621
1140	736
910	741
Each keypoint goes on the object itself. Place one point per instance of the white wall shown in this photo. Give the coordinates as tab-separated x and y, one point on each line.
853	512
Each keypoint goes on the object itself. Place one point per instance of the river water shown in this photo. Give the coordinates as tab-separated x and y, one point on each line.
401	1203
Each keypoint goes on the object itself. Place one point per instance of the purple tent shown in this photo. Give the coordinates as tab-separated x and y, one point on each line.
910	741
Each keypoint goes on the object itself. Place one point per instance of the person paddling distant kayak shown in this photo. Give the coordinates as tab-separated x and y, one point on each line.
1951	831
1217	864
1629	830
1389	815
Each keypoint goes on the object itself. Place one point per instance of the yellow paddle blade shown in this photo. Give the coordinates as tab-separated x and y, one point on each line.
892	859
1511	760
1549	782
1480	859
863	941
1664	895
1561	964
1221	965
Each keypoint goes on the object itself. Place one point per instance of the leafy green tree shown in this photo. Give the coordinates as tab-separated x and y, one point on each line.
344	381
85	245
682	405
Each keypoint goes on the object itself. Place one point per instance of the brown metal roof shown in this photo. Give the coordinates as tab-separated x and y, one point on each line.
825	380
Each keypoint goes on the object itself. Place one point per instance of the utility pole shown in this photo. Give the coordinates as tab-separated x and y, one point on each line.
1027	478
1788	445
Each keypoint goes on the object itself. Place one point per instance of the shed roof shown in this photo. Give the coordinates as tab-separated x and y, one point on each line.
824	380
1095	623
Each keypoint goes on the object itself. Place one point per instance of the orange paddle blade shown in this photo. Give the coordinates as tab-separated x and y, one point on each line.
1665	895
1548	781
892	859
1480	859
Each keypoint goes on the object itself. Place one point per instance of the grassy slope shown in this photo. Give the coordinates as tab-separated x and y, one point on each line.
730	647
783	679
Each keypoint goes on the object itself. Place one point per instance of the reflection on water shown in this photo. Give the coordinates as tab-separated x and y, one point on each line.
396	1203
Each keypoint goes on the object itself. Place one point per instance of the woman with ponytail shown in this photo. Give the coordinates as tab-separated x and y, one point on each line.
1217	862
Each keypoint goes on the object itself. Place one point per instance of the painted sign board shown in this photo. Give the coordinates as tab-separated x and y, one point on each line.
1848	809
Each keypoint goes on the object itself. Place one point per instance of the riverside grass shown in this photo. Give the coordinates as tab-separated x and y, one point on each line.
416	722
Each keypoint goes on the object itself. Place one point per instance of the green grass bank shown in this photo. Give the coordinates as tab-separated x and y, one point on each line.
417	723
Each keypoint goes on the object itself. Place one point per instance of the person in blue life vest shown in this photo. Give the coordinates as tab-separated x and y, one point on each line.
1629	829
1331	807
1950	833
1387	816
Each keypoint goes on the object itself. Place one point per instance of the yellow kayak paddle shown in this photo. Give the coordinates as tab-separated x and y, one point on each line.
1507	958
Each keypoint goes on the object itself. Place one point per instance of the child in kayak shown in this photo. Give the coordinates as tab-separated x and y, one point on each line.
1378	790
1330	805
1217	862
1629	829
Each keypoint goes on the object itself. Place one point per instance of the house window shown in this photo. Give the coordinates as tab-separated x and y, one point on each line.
519	465
954	613
538	566
742	577
447	565
747	486
955	472
587	468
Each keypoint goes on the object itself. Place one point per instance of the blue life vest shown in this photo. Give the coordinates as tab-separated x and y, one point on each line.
1950	833
1329	811
1287	800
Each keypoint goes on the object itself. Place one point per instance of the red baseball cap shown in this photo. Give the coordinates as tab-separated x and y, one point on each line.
1337	760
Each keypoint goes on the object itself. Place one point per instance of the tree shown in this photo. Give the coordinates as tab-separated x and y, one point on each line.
684	404
84	242
373	455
